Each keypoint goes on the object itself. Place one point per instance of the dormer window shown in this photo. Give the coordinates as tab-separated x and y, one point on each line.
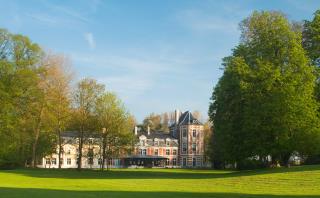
168	143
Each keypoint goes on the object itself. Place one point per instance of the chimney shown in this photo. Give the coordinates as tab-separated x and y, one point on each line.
148	130
135	130
176	116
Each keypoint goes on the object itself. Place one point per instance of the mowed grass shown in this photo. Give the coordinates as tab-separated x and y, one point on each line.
296	182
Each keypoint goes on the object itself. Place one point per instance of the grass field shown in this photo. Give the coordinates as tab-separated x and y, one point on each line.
133	183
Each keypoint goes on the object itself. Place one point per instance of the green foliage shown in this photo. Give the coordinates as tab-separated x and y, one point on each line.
264	103
311	38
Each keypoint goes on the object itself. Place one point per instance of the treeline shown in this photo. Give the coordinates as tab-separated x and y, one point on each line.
265	107
39	101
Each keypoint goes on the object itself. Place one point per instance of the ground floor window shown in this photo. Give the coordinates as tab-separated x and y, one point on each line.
54	161
167	162
174	162
99	161
90	160
194	161
184	161
68	161
48	161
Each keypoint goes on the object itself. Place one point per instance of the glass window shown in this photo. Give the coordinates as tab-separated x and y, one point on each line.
184	147
54	161
184	161
144	151
156	152
174	161
48	161
100	161
174	152
68	161
168	143
168	152
194	161
184	133
168	162
194	147
194	133
90	160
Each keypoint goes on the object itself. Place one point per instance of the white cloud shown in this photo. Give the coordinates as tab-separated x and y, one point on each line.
90	40
44	18
200	21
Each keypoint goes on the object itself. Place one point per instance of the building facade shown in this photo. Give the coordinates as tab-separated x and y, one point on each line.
182	147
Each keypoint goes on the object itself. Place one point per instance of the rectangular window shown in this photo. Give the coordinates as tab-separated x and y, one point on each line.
168	143
68	161
184	133
54	161
168	162
48	161
194	147
174	162
184	147
90	160
144	151
174	152
184	161
168	152
194	161
100	161
156	152
194	133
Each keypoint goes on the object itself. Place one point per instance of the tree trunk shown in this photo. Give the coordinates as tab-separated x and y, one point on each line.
36	138
60	148
103	152
80	149
34	149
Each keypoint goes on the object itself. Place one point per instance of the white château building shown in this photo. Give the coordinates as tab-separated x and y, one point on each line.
182	147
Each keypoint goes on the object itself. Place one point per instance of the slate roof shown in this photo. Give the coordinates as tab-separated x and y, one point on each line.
155	134
187	118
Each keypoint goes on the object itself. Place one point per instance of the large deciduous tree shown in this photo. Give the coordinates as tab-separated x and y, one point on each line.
85	98
116	124
264	103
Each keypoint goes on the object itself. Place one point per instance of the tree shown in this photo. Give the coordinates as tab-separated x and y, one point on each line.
263	105
59	97
116	125
19	85
311	38
84	104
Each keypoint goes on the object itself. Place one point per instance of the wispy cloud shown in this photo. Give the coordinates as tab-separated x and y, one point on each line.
200	21
45	18
70	12
90	40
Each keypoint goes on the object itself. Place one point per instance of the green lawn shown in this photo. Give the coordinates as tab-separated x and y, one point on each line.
130	183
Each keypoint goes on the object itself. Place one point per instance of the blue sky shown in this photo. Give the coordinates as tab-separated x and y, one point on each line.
157	55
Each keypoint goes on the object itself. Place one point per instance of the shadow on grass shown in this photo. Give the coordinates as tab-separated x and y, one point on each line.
35	193
151	173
